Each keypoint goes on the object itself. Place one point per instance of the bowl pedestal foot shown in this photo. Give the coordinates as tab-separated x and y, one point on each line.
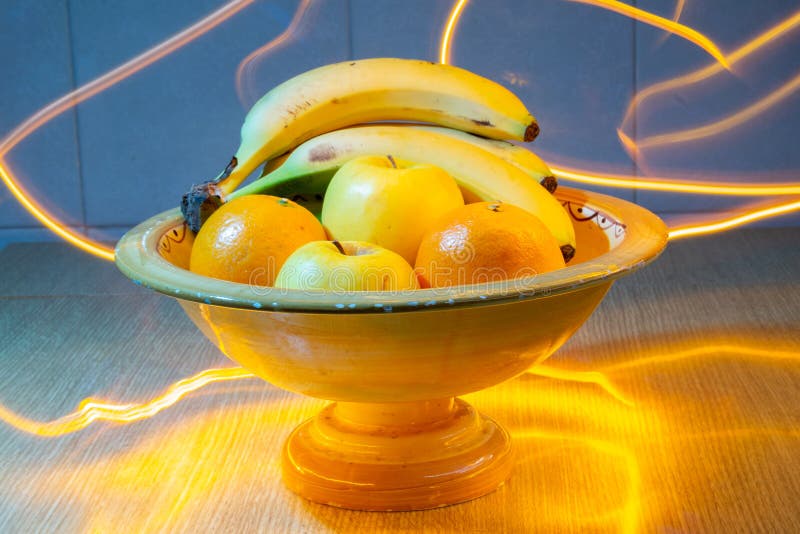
396	456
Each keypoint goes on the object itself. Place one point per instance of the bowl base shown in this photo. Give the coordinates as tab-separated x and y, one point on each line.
399	456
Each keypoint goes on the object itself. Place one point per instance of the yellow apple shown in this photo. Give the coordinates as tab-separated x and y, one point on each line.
346	266
388	202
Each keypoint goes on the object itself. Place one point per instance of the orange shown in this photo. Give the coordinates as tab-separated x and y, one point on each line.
486	242
247	239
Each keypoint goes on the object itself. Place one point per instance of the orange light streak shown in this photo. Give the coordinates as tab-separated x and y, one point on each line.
676	16
244	70
732	222
91	410
51	222
726	350
763	39
449	31
728	123
82	93
201	27
585	377
662	184
676	186
629	514
670	26
89	89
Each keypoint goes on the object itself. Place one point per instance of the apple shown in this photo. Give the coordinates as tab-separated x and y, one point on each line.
388	202
346	266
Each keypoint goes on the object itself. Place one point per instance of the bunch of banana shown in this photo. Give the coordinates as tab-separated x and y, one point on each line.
344	94
308	127
503	172
519	156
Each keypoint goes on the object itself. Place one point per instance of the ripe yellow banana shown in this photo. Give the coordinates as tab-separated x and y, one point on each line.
348	93
516	155
482	174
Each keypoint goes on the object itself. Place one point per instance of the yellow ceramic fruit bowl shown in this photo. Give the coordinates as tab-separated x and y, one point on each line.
396	437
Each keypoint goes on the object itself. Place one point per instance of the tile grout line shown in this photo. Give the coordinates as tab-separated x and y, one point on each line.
76	120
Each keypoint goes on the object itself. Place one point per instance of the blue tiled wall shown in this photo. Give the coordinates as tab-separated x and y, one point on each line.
131	150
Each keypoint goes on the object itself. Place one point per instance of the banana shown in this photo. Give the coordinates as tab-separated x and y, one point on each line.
344	94
516	155
481	174
274	163
348	93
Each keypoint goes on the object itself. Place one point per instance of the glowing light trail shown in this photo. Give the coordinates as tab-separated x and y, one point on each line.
660	184
670	26
676	28
725	350
91	410
763	39
732	222
630	511
243	71
676	16
49	221
725	124
226	11
449	30
88	90
673	186
586	377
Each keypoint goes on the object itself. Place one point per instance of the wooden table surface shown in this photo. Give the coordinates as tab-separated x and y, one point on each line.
676	408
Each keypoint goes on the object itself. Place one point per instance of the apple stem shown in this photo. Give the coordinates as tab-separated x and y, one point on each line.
339	246
391	159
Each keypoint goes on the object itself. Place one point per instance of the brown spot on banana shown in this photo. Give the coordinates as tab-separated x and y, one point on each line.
325	152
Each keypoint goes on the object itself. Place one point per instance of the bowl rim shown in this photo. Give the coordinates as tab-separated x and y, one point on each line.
137	256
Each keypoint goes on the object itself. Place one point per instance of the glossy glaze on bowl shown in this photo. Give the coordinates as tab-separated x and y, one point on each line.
614	238
397	439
